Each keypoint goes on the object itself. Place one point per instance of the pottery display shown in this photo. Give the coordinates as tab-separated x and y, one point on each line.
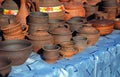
51	53
17	50
5	66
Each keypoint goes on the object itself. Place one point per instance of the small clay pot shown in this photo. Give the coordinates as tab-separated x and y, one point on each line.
117	23
51	53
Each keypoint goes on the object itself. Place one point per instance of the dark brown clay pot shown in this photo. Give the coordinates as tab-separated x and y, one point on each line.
5	66
17	50
51	53
117	23
80	42
37	17
104	26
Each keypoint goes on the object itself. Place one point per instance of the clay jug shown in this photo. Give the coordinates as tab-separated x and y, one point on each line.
21	17
10	7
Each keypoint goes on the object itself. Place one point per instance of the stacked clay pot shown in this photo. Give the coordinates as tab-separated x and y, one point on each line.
37	21
14	31
54	8
90	32
40	38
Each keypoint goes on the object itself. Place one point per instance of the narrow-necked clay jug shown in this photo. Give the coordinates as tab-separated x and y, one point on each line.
21	17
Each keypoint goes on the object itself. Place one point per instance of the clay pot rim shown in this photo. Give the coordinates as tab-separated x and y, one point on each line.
77	39
9	63
13	41
56	46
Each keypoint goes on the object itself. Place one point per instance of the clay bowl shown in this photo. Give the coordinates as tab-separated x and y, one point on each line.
17	50
5	66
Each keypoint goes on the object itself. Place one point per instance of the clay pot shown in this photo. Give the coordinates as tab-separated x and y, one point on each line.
61	33
117	23
109	3
50	8
10	7
67	49
21	17
104	26
1	1
17	50
33	27
112	12
93	2
80	42
5	66
90	32
37	17
75	23
73	9
51	53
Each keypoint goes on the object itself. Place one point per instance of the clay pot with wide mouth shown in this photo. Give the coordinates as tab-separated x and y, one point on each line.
51	53
80	42
5	66
90	32
104	26
17	50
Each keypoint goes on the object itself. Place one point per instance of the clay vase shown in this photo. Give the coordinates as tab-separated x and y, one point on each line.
67	49
80	42
73	9
61	34
50	8
21	17
117	23
75	23
10	7
90	32
51	53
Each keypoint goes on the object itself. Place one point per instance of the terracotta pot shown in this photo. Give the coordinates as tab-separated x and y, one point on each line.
5	66
104	26
37	17
80	42
117	23
67	49
33	27
17	50
90	32
75	23
73	9
51	53
10	7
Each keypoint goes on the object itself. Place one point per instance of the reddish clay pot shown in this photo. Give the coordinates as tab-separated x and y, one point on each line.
105	27
51	53
73	9
5	66
117	23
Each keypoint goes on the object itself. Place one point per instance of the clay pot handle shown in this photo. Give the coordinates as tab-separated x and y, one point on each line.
25	28
66	26
30	4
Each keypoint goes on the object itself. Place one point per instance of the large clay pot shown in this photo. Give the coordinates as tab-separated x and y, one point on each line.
51	53
5	66
50	8
17	50
74	9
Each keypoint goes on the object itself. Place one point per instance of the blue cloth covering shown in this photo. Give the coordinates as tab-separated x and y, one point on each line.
100	60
